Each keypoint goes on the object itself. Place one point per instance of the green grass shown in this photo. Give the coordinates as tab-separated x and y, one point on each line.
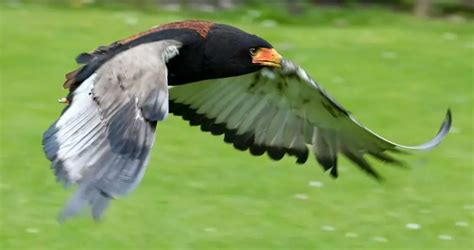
398	78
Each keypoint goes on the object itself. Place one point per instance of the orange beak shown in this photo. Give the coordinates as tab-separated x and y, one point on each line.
267	57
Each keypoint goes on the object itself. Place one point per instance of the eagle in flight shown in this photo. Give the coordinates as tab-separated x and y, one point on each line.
215	76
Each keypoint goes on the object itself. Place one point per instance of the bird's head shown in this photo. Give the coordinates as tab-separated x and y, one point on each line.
224	51
230	51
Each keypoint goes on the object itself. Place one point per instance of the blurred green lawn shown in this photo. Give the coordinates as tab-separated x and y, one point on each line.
398	77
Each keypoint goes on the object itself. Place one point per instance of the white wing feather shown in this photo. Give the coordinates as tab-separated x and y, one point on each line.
103	138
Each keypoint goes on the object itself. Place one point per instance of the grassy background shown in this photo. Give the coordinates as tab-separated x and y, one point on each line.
398	77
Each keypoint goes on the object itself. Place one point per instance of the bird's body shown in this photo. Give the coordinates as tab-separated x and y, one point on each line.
226	81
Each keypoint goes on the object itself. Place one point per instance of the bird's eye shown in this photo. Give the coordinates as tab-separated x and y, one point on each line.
252	51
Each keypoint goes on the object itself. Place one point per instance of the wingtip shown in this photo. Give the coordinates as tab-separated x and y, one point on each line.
445	127
442	132
449	118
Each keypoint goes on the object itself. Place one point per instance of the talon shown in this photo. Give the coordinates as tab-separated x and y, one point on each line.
63	100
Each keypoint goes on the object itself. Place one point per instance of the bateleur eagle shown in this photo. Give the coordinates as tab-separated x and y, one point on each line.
215	76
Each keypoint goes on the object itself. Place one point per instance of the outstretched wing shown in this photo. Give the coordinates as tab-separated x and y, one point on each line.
103	138
283	111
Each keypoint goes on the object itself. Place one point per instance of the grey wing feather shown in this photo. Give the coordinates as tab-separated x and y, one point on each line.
103	138
284	112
